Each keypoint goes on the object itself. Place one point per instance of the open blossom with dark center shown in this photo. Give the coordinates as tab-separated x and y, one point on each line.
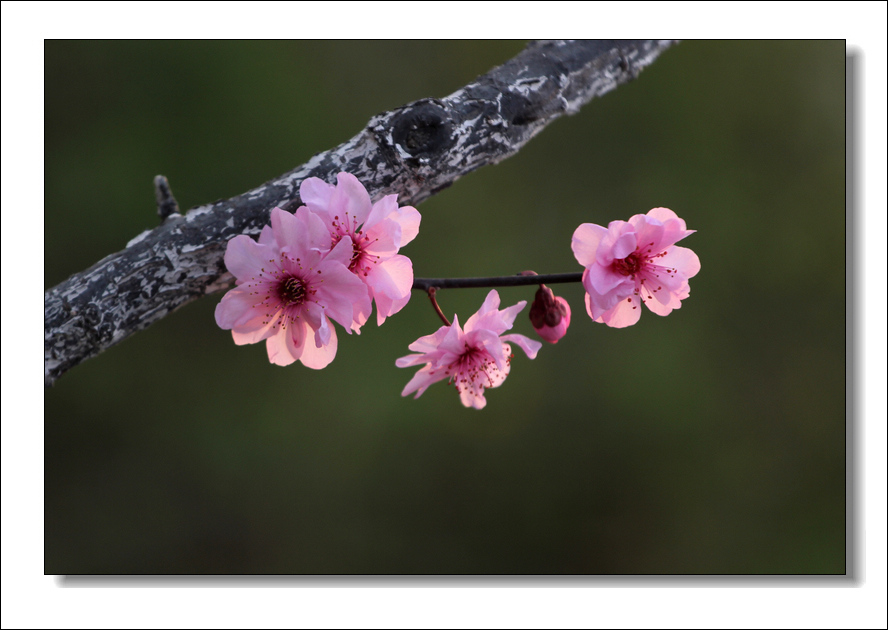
287	286
472	359
377	232
634	262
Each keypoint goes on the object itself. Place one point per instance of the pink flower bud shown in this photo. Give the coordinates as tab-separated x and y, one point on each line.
549	314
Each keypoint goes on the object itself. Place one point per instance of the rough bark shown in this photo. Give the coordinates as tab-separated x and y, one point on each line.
414	151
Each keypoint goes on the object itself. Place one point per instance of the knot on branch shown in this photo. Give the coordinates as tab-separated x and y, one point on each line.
422	130
520	108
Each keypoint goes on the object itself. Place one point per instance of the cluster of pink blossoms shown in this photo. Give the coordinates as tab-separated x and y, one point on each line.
338	254
627	263
331	259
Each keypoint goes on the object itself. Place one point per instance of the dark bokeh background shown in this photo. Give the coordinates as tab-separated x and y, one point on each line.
710	441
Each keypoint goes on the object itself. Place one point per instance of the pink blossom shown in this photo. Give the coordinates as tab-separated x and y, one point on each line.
473	359
287	287
632	262
377	231
549	314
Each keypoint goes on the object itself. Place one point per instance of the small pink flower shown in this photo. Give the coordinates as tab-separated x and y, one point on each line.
549	314
632	262
287	288
377	231
473	359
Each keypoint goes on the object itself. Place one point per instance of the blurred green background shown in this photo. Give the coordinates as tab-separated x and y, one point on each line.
710	441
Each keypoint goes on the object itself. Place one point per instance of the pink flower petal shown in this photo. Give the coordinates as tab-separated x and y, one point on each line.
340	291
591	308
496	321
649	234
235	309
615	230
317	321
299	338
244	257
490	343
407	218
422	380
287	230
381	210
410	360
491	302
386	306
316	356
453	340
382	239
430	343
663	215
281	348
471	386
393	277
350	199
473	396
302	235
624	245
585	242
604	281
529	346
341	253
360	316
662	303
663	284
316	193
508	315
255	330
683	260
674	227
266	237
625	313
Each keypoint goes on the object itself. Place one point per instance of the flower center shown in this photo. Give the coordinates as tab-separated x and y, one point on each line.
291	291
357	252
630	265
359	258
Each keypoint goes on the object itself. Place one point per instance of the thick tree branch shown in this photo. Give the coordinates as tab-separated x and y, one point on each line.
414	151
